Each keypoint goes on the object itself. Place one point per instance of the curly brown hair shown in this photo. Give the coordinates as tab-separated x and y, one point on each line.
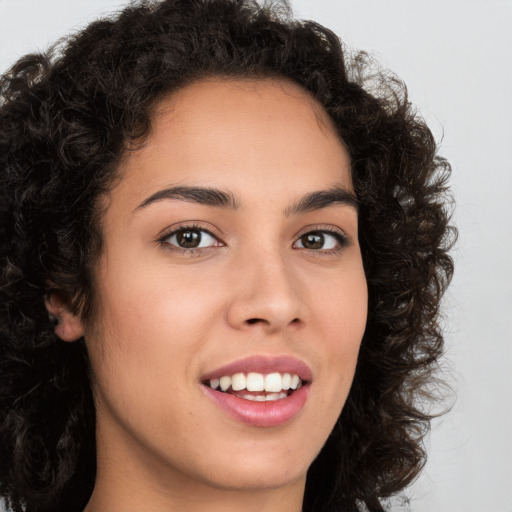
67	116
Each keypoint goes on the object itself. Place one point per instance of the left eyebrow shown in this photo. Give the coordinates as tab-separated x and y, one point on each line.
323	199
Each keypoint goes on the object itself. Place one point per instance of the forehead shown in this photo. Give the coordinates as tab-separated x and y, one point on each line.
238	134
231	97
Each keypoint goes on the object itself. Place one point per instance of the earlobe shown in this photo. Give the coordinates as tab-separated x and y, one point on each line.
69	325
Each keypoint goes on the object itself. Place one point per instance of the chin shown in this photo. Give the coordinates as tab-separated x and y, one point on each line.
251	479
259	473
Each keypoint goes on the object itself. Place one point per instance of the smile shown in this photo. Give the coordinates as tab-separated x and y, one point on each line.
257	386
269	392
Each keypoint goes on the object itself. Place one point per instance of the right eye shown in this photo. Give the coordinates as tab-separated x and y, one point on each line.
189	238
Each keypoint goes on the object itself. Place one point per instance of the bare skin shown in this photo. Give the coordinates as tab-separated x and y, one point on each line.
168	314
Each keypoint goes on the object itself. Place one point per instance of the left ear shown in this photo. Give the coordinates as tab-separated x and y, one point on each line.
70	326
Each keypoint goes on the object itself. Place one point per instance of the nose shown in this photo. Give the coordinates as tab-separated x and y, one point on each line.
267	295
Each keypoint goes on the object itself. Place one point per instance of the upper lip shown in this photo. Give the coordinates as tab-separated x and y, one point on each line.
262	364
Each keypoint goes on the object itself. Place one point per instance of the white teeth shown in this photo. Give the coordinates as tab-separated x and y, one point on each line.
255	382
295	382
275	396
273	382
265	398
238	382
254	398
225	382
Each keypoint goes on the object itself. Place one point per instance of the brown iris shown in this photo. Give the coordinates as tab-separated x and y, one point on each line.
313	240
188	239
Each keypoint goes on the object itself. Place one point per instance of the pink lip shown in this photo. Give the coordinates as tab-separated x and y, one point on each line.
261	414
263	364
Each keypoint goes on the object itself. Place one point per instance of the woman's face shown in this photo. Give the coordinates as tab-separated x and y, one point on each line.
230	247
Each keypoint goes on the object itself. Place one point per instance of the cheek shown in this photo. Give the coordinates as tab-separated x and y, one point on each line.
151	321
340	308
144	347
340	316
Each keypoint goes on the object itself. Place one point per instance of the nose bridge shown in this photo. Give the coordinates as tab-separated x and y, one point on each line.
268	292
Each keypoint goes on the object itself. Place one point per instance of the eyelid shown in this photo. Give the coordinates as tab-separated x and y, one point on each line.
343	239
328	228
193	226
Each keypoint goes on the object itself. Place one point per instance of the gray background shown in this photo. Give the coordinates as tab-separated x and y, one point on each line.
455	56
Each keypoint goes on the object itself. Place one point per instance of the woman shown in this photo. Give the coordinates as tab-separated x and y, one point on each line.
223	252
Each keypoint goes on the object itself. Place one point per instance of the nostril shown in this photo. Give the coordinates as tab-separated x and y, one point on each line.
254	320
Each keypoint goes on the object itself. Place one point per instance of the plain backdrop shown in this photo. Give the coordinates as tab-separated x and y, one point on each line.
456	58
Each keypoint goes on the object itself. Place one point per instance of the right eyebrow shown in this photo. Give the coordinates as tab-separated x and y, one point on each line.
199	195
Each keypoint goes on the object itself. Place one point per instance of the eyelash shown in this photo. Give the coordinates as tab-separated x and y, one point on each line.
342	240
163	240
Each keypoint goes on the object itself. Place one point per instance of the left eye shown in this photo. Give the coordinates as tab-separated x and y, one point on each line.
187	238
318	240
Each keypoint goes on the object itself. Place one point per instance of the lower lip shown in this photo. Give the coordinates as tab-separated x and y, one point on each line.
260	414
